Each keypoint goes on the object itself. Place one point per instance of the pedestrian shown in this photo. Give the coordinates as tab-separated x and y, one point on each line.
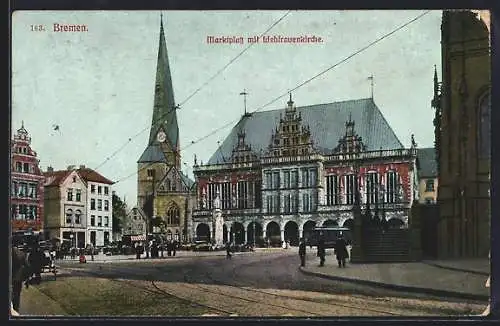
321	251
35	262
228	250
146	248
341	251
302	252
137	251
91	247
169	248
20	274
174	247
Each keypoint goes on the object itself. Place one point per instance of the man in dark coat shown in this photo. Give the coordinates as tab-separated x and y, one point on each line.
169	248
302	252
35	258
174	247
228	250
341	251
20	270
137	251
321	251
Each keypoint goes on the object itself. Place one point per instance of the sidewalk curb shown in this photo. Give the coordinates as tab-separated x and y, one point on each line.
455	269
166	258
414	289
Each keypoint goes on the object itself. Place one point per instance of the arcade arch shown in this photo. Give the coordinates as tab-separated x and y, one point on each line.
203	232
292	233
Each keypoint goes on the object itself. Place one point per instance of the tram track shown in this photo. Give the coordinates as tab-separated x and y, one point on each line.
312	304
233	297
155	290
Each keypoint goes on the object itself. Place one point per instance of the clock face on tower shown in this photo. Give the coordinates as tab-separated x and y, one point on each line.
161	136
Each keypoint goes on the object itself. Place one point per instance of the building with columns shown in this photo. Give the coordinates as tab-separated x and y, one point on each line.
281	172
163	191
26	189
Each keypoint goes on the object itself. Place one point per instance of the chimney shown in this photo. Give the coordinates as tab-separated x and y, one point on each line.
70	167
50	169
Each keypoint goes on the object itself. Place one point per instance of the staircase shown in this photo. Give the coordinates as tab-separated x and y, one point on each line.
392	245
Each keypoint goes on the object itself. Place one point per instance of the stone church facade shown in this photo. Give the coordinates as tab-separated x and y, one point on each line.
164	193
279	173
463	140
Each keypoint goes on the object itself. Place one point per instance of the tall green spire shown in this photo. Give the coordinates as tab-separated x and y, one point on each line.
164	113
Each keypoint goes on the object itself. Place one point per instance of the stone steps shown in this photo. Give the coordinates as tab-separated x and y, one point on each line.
389	246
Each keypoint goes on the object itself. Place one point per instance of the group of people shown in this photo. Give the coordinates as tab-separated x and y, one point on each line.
155	249
341	252
27	265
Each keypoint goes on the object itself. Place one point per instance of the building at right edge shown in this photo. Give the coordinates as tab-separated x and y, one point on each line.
462	130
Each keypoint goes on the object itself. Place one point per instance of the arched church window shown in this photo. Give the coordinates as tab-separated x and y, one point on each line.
484	127
173	215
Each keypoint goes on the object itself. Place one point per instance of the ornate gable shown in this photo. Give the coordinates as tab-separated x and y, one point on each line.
242	152
173	182
351	142
290	137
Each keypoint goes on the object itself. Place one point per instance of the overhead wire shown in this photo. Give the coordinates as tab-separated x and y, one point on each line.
210	79
347	58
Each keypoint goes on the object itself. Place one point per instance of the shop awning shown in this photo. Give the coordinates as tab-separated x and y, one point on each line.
137	238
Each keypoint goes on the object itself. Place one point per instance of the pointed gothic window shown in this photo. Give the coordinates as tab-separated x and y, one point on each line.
484	127
173	217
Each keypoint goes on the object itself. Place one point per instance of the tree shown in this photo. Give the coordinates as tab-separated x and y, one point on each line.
119	212
158	222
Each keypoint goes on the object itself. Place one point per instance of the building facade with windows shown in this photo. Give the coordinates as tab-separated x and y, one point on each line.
27	185
279	173
463	134
79	209
427	174
135	222
100	212
66	209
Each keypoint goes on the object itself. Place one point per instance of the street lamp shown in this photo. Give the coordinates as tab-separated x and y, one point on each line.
254	234
73	234
381	196
233	228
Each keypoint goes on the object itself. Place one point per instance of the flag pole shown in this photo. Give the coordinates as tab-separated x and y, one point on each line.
371	85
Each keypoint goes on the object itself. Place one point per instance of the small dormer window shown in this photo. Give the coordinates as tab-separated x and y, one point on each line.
74	179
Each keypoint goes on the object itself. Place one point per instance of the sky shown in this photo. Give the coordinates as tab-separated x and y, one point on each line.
98	85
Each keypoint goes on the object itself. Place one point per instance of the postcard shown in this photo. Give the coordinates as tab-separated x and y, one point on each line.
250	163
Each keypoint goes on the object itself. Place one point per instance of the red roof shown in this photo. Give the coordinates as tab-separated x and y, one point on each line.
88	174
55	178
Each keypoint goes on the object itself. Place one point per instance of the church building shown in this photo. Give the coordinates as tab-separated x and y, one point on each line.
281	172
463	137
164	193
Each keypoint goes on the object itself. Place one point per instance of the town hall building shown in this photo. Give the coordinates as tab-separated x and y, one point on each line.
281	172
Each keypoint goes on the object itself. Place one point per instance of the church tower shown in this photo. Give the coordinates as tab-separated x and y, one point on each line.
162	150
164	193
